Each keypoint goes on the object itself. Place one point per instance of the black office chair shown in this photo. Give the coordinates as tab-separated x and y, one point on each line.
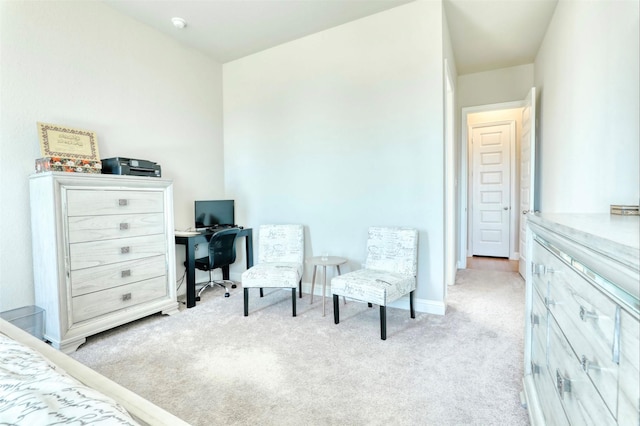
222	253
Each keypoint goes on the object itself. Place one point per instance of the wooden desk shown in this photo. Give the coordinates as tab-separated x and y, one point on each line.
190	258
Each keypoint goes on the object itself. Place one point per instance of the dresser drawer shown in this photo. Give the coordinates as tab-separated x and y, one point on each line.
89	280
95	228
539	274
629	399
588	320
97	253
539	331
92	305
81	202
579	397
544	383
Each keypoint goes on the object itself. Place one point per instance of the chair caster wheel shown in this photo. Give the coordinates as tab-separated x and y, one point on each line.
233	286
226	295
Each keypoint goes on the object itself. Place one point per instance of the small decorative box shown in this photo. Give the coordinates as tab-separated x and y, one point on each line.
62	164
625	210
67	149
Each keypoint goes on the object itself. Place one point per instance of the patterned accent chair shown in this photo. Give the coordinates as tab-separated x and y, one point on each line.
280	262
389	273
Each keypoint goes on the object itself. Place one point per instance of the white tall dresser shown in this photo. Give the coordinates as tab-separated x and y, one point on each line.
103	252
582	344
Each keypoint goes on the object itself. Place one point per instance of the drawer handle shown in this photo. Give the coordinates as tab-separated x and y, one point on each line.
126	273
534	320
123	202
535	368
124	226
585	315
537	269
125	250
563	384
588	365
540	269
126	296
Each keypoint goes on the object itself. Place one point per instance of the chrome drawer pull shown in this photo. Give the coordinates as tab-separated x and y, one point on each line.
124	274
537	269
588	365
124	226
585	315
540	269
534	319
123	202
125	250
126	297
562	384
535	368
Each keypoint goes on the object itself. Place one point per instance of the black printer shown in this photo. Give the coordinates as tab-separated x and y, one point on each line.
131	167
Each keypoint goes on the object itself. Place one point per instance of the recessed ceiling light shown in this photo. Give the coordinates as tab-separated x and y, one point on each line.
179	22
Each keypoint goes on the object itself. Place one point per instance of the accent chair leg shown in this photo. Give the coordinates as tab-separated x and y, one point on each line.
370	305
246	302
300	288
261	292
336	309
413	312
293	300
383	322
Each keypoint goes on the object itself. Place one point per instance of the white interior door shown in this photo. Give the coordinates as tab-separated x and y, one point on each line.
491	146
527	173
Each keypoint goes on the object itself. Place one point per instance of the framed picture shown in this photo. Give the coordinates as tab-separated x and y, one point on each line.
67	142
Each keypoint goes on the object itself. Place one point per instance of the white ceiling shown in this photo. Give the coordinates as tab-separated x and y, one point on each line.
486	34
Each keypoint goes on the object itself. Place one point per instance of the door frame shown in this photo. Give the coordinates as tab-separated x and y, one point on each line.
464	173
450	172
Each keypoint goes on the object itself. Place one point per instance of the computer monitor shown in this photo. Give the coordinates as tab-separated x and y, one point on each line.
211	213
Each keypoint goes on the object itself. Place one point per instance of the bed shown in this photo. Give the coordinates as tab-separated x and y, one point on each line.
40	385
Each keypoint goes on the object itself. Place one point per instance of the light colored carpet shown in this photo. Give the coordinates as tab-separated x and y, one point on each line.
210	365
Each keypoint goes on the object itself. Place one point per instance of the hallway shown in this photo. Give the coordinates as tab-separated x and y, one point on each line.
492	264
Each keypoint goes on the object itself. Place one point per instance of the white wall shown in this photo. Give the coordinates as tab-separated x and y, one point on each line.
84	65
496	86
452	214
587	74
341	130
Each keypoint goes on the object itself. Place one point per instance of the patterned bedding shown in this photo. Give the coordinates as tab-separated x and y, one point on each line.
33	391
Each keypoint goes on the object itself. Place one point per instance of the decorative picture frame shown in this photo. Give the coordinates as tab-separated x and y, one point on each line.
67	142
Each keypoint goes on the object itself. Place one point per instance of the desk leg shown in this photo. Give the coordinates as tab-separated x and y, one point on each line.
248	247
225	273
191	273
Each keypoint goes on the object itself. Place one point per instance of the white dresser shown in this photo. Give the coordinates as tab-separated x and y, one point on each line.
103	252
582	345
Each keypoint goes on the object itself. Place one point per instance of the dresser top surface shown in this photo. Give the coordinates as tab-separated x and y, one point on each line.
622	230
615	236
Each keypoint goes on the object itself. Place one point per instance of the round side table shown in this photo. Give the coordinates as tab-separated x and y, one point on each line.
324	262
